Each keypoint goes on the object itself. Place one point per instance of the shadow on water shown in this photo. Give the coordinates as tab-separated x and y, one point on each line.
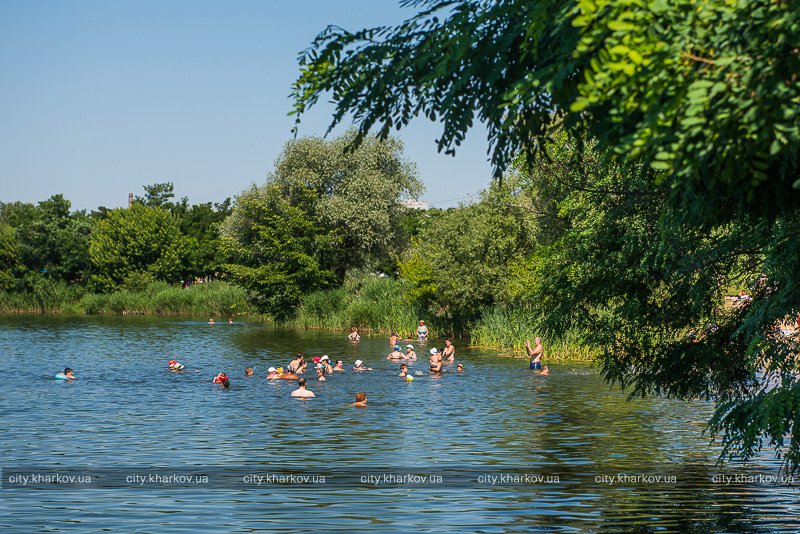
599	456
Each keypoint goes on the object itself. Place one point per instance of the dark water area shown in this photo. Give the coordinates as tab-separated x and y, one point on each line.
503	449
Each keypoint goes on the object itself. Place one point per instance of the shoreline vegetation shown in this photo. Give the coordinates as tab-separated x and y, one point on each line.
376	305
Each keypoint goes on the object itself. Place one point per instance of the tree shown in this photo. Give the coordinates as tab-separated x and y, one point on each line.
51	240
158	195
9	258
461	259
323	211
694	110
135	242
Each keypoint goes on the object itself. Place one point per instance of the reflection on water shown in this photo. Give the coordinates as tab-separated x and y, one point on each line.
127	411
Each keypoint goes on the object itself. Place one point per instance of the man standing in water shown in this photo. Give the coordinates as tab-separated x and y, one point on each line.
535	353
301	391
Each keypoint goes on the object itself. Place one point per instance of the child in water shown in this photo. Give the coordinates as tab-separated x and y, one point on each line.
66	375
361	400
248	371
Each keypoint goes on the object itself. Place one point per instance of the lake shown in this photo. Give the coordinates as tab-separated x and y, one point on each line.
133	447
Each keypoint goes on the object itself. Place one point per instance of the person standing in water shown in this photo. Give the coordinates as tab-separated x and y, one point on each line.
301	391
422	331
449	352
361	400
435	361
535	353
354	334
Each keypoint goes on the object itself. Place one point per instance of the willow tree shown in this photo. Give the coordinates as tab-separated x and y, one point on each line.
697	103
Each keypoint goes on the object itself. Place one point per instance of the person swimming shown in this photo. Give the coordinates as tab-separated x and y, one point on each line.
66	375
339	365
273	374
359	366
211	321
298	365
410	355
395	354
175	365
220	377
545	370
320	373
326	363
459	368
248	371
403	370
361	400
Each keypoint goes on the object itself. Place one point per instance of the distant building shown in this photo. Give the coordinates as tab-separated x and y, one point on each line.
414	204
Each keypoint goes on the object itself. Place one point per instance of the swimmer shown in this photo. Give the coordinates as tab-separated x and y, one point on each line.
395	354
66	375
298	365
301	391
175	365
326	363
459	368
403	370
422	331
225	383
230	320
410	355
211	321
361	400
359	366
339	365
248	371
449	353
220	377
272	374
321	373
394	338
435	361
354	334
545	370
535	353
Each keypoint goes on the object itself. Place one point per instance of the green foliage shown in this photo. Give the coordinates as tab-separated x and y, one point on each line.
9	256
50	239
322	212
140	241
706	91
694	108
158	298
463	256
373	303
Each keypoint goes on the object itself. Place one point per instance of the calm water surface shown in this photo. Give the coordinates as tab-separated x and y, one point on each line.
599	457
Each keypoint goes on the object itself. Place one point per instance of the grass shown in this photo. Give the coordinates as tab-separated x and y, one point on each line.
504	328
374	304
158	298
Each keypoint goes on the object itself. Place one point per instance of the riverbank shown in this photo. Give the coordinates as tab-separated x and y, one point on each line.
377	306
218	299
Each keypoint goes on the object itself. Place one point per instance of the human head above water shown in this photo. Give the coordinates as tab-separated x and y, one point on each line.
248	371
68	371
225	382
301	382
361	396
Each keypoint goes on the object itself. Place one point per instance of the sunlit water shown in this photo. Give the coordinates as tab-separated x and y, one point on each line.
128	414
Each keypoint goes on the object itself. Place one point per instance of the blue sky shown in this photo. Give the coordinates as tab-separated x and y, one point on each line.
99	98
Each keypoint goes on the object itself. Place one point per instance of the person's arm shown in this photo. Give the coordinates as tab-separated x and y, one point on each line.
528	348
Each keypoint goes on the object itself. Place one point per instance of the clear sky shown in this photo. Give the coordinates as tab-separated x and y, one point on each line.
99	98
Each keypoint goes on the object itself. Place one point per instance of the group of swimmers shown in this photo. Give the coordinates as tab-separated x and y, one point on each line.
324	368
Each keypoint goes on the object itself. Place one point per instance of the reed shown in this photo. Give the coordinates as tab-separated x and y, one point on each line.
157	298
